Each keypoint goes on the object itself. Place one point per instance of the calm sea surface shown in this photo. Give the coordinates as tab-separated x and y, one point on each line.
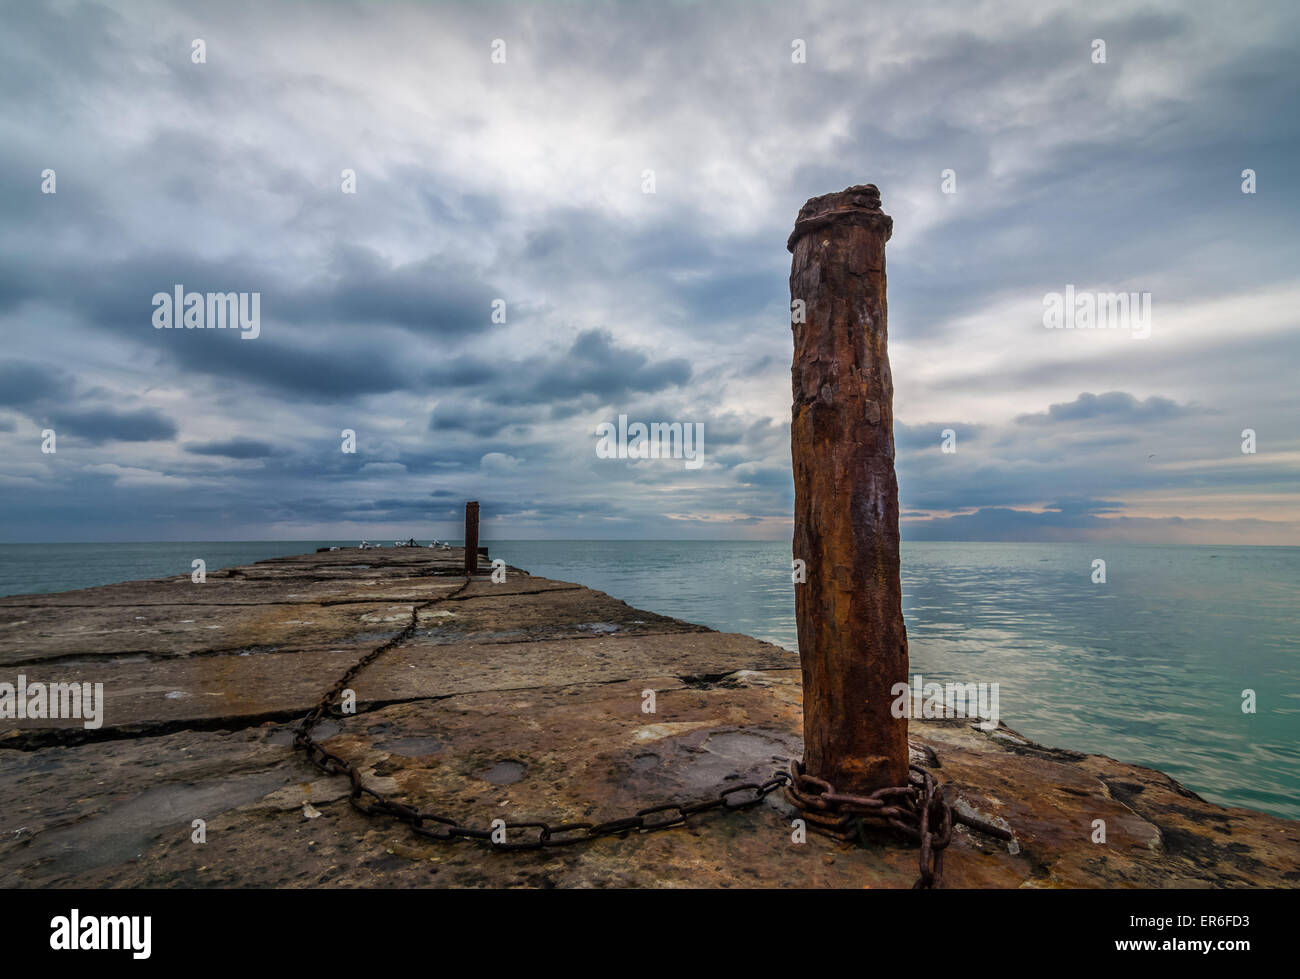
1149	667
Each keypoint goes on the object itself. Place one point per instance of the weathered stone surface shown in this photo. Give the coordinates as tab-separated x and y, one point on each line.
849	612
160	631
482	727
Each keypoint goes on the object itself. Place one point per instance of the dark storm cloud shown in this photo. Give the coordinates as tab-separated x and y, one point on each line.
594	367
431	297
596	364
776	477
1114	406
478	418
105	425
462	372
232	449
23	383
337	369
358	296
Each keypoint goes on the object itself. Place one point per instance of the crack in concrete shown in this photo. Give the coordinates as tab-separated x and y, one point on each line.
153	656
39	738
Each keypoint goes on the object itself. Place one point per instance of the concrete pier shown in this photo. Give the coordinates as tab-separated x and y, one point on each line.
519	700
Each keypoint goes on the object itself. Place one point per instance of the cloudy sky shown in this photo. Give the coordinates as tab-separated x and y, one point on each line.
523	179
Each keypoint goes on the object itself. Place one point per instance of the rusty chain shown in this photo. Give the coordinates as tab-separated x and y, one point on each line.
913	809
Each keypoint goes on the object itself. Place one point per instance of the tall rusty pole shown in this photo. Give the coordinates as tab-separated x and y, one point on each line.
852	642
471	538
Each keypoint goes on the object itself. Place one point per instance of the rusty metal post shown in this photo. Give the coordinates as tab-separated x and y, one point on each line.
471	538
852	642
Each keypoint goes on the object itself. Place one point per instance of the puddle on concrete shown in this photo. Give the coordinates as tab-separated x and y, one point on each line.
368	638
730	755
413	747
745	746
503	773
323	730
643	763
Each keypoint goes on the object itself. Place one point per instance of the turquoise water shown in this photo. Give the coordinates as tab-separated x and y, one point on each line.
1149	667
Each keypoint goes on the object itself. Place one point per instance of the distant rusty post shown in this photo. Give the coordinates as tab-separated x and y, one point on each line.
852	642
471	538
